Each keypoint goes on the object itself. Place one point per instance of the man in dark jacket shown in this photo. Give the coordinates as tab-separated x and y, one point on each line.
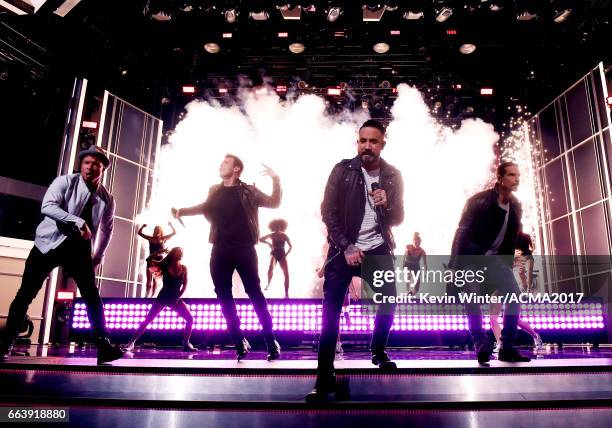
363	200
231	208
488	227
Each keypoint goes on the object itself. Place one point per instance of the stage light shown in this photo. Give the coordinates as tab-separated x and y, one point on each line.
373	12
467	48
561	15
496	5
339	34
188	89
486	91
227	35
443	13
333	91
381	48
451	32
413	15
212	48
159	10
333	13
288	11
296	48
260	15
283	35
231	15
223	90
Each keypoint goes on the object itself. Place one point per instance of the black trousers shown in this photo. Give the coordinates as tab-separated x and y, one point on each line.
338	276
223	262
74	255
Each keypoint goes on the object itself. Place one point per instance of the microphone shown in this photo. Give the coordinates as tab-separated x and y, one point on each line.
176	216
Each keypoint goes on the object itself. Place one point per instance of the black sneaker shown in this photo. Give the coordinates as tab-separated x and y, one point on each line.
382	360
511	355
5	350
327	385
273	351
108	352
242	349
484	352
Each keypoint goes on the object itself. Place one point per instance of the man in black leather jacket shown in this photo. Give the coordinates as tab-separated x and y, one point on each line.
359	218
489	226
231	208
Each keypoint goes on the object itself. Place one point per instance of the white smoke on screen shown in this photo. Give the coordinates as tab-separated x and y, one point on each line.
441	167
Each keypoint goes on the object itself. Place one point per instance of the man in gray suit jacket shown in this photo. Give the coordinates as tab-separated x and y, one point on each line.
76	207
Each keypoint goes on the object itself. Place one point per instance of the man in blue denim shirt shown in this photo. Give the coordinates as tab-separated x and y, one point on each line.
76	207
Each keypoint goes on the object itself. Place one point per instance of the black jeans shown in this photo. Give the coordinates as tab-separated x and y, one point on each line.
499	277
223	262
338	276
74	255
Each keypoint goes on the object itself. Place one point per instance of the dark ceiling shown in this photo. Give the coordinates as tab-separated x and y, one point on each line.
119	45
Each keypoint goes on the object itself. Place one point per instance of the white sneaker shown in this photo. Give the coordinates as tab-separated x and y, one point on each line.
339	349
537	342
496	348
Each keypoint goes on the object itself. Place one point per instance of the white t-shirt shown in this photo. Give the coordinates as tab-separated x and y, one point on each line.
500	236
369	232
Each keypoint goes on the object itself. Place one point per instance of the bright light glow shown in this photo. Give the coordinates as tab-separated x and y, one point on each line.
189	89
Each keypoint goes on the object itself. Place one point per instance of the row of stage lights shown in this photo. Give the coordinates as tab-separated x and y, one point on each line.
303	86
297	47
295	317
371	11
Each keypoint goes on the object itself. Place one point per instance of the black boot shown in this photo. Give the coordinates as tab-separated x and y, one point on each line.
382	360
108	352
484	352
511	355
5	349
188	347
273	350
327	384
242	349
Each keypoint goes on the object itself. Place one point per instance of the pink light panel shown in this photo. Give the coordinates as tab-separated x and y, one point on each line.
307	317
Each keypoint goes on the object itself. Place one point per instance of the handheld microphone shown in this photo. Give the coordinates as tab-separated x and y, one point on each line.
376	186
177	217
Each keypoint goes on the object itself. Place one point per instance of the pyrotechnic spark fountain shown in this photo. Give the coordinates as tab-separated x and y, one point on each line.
441	167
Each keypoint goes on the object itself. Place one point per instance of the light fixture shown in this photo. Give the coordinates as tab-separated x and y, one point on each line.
289	11
296	48
496	5
412	15
212	48
443	13
259	15
467	48
381	48
561	15
373	12
159	10
231	15
333	13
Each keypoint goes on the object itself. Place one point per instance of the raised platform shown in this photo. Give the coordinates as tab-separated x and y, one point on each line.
427	379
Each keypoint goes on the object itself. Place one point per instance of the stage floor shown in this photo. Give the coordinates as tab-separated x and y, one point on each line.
432	387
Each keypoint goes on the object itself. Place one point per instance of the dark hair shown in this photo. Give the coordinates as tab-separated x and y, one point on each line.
237	162
501	169
524	243
169	258
278	225
373	123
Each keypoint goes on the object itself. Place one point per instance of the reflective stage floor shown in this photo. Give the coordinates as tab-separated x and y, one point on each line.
432	387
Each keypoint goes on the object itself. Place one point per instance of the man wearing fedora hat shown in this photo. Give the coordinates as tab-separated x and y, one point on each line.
76	209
